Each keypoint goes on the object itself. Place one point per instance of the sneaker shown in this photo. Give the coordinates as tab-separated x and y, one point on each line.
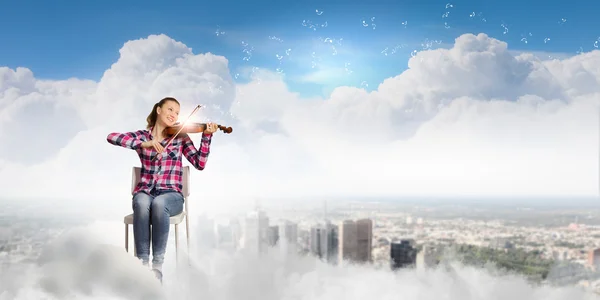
158	275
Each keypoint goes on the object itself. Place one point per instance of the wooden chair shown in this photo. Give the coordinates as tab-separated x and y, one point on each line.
174	220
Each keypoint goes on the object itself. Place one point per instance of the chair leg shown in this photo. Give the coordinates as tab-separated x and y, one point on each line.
176	244
187	236
126	237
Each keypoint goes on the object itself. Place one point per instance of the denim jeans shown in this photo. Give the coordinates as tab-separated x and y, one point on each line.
154	210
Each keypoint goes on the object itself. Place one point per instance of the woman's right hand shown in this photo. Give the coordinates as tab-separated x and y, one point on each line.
153	144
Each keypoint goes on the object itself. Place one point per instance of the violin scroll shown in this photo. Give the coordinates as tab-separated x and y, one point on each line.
227	130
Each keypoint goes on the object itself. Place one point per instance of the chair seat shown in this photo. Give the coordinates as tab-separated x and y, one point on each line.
172	220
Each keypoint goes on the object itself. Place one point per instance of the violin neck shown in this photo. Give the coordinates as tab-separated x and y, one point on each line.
205	124
221	127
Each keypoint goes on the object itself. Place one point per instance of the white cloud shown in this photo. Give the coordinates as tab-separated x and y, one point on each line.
470	120
545	55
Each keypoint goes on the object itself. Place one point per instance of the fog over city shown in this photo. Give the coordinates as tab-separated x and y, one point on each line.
88	262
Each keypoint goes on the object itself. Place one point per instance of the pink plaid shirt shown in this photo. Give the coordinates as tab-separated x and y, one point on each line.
166	172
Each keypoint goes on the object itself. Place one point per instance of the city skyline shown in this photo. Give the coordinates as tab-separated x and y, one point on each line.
566	247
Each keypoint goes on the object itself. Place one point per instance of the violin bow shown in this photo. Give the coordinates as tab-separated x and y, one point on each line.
178	131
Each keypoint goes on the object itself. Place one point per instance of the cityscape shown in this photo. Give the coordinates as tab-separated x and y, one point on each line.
559	246
563	248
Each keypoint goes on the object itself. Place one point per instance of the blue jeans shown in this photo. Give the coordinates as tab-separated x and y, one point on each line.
155	210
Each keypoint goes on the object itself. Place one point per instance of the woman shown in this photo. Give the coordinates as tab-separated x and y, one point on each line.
158	195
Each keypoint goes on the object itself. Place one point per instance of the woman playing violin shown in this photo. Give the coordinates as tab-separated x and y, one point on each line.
158	195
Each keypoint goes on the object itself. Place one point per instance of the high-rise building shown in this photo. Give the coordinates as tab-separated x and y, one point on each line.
403	254
315	241
256	232
324	242
224	236
273	235
288	236
348	241
364	230
289	232
428	257
236	232
329	242
355	240
594	258
304	236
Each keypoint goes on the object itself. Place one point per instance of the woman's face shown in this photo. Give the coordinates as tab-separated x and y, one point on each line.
168	114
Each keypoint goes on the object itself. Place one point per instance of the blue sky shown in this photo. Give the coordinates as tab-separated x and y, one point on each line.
62	39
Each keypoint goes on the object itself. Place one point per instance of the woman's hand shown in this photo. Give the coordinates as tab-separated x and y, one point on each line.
153	144
210	128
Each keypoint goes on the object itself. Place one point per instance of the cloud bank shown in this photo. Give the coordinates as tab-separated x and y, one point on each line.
470	120
89	263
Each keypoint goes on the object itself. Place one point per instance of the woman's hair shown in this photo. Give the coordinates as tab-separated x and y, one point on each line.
151	119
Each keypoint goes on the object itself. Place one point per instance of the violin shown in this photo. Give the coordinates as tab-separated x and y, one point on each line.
192	128
185	128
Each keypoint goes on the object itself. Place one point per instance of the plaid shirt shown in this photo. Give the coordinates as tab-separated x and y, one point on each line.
166	172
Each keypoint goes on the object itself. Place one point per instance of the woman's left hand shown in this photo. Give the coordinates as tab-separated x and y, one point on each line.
210	128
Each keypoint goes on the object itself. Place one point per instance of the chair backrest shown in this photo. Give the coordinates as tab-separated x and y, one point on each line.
135	178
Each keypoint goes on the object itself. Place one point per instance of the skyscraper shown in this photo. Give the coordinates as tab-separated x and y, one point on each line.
329	243
288	236
402	254
428	257
273	235
355	240
224	236
593	258
324	242
364	230
236	232
315	241
256	232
